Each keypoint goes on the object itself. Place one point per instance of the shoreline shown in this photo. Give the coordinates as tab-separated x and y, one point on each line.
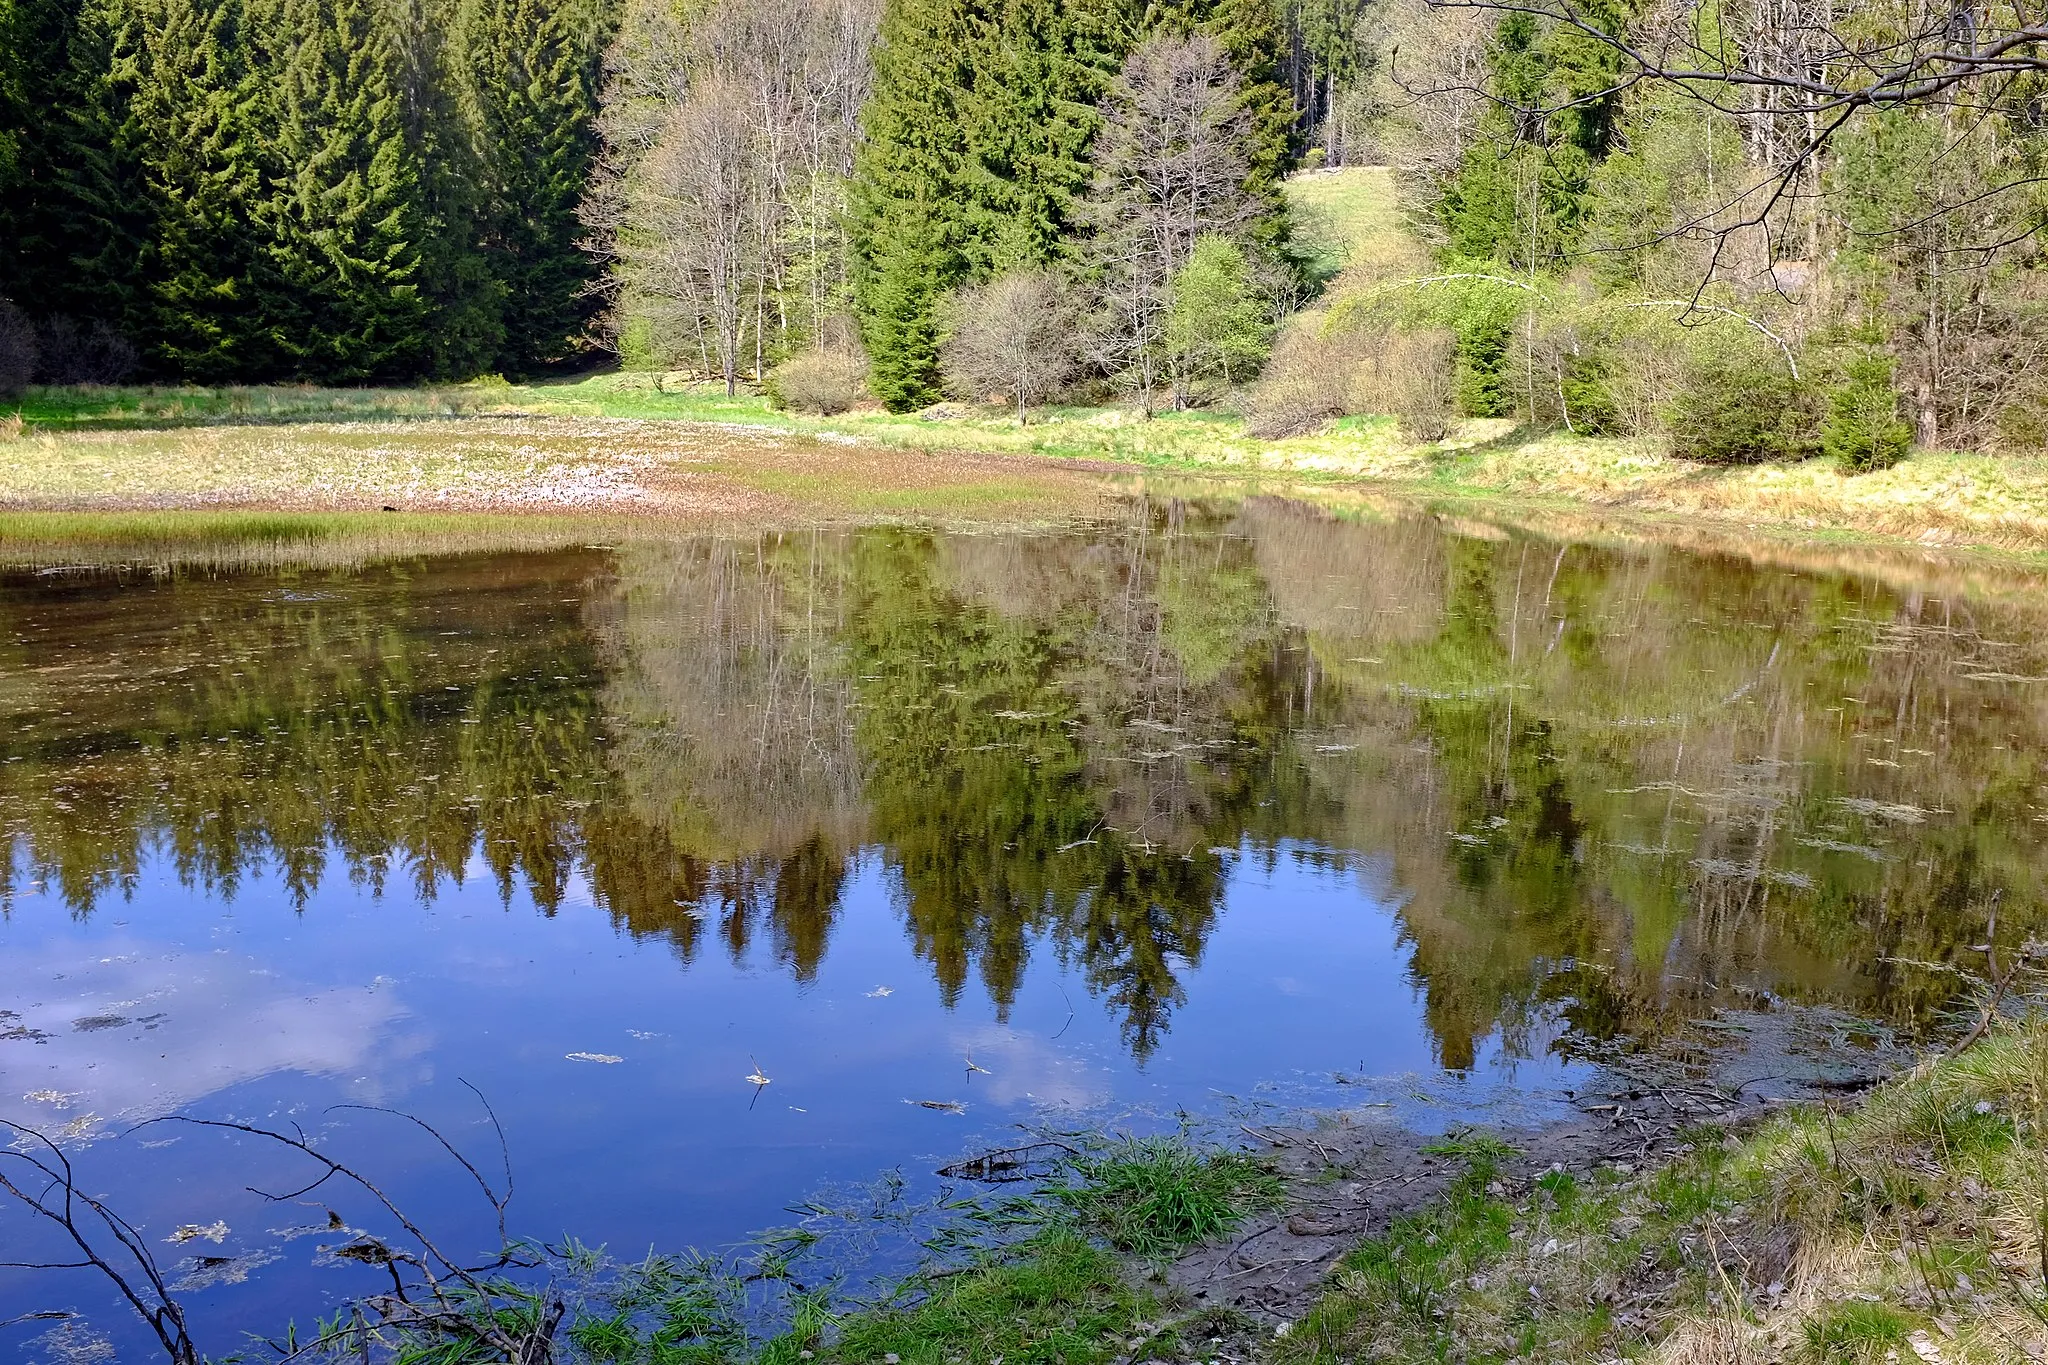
618	446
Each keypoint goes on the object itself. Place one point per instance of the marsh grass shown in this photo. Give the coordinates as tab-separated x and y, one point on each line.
288	540
1055	1299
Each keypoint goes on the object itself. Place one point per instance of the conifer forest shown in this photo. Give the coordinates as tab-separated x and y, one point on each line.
1752	231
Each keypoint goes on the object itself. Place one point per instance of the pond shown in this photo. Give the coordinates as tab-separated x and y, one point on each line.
1210	809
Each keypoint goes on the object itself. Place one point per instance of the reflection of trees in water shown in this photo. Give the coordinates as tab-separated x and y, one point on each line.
1642	790
399	720
1608	787
1004	817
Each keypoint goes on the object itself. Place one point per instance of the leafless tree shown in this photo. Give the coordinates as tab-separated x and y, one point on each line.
1014	335
793	74
695	249
36	1173
1170	167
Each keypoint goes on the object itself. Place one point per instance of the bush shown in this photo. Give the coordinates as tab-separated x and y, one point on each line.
1307	382
1218	325
18	349
1863	430
819	381
1413	378
1012	337
91	354
1736	402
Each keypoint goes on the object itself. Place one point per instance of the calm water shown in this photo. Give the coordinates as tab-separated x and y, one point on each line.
1211	808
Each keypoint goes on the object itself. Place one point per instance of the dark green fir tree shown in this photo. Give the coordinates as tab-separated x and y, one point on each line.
531	71
343	225
1039	69
908	215
210	287
463	295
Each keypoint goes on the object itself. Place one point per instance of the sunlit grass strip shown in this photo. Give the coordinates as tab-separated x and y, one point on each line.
234	539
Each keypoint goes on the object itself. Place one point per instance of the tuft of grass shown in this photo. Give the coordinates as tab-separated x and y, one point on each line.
1159	1195
228	540
1854	1333
1054	1299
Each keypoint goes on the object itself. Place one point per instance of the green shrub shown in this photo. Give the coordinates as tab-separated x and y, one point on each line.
1736	402
1863	430
1587	391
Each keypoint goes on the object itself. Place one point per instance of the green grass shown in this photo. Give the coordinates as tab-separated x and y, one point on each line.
1353	218
1854	1333
1157	1196
1056	1299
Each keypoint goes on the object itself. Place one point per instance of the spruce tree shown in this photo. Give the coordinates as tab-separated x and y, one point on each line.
462	294
908	216
1039	68
531	71
342	219
34	38
901	287
210	290
99	204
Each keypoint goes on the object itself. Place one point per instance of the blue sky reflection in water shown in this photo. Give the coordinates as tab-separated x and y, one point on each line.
1211	806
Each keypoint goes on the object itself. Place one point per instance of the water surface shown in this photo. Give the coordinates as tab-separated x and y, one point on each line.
1211	808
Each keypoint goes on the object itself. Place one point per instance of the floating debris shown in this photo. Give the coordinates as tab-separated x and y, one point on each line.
880	993
942	1106
605	1058
1883	810
192	1232
210	1271
1033	1161
759	1077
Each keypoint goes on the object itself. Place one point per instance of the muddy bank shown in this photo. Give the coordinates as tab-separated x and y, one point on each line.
1352	1174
